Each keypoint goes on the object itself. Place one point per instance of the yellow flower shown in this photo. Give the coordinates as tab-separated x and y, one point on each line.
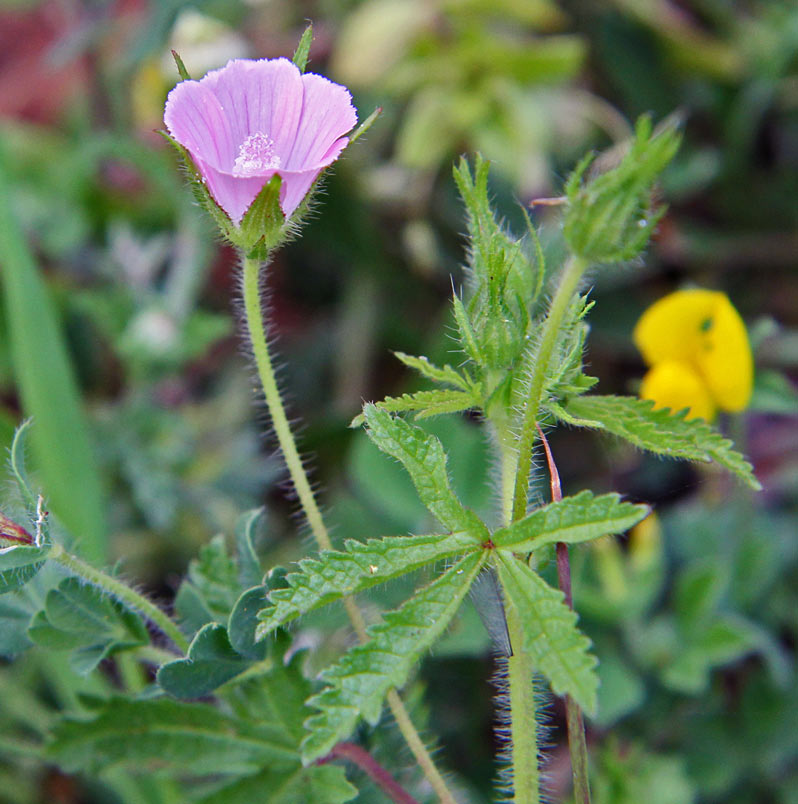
698	350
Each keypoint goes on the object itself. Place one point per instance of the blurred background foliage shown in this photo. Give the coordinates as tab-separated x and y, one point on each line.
123	342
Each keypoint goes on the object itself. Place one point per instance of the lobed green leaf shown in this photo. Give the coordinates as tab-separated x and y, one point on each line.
211	662
360	566
18	564
317	784
192	738
659	431
424	458
571	520
360	680
551	636
80	617
246	527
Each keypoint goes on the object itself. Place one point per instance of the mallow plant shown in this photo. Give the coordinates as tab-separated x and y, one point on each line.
211	702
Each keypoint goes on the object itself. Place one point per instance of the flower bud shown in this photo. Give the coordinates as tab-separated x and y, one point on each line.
611	215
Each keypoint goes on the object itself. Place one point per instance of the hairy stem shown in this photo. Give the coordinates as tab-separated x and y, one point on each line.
122	592
366	762
520	675
569	282
260	349
523	717
577	745
253	310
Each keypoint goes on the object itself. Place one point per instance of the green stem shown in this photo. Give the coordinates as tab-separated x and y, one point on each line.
574	269
122	592
520	672
253	311
523	717
260	349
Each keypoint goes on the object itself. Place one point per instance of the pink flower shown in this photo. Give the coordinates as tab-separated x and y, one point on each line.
252	119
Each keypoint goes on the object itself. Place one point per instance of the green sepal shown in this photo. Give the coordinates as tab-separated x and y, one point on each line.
263	224
657	430
365	125
181	67
550	633
211	661
571	520
300	57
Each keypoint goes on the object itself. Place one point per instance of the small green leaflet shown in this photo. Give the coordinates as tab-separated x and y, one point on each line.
551	637
425	404
363	676
660	431
334	574
424	458
571	520
432	372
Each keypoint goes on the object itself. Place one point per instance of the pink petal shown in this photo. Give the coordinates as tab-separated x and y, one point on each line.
259	97
327	114
234	194
297	183
305	116
197	121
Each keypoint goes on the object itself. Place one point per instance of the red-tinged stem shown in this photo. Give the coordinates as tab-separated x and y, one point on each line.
360	757
577	745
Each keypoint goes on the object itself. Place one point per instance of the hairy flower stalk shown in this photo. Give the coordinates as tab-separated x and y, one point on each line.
256	135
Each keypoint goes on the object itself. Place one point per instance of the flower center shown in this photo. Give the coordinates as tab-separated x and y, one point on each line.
255	155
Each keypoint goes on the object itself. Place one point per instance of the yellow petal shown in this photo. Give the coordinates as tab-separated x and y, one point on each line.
676	385
725	359
701	328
